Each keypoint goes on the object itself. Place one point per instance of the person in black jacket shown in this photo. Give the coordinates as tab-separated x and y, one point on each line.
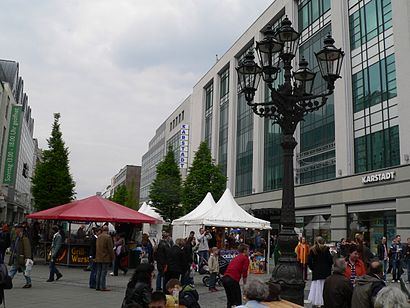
337	291
161	255
139	289
93	242
320	262
383	255
176	258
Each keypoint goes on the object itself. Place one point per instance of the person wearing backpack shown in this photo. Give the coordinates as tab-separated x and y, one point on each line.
56	246
20	252
368	286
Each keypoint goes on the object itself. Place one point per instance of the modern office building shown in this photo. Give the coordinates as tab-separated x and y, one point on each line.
352	171
18	148
173	132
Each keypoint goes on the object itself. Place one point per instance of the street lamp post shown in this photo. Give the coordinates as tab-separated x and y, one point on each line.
289	103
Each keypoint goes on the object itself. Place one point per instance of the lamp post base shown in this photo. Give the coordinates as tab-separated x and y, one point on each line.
288	273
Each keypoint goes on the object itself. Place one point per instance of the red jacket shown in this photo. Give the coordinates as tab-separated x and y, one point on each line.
238	267
359	268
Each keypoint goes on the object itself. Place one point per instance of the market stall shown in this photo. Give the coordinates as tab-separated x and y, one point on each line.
91	209
226	213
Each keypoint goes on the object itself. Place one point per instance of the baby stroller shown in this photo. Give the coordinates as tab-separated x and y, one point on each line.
223	264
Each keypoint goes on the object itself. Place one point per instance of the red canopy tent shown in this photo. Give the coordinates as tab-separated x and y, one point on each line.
94	208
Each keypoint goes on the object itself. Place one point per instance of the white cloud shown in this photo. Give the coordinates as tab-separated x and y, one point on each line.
114	69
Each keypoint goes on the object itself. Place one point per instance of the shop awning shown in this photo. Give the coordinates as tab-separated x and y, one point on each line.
94	208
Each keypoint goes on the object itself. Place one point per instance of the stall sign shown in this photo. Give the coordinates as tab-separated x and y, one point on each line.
79	255
62	259
258	263
228	254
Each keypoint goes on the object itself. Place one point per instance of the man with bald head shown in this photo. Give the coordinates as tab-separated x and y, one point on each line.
367	286
337	291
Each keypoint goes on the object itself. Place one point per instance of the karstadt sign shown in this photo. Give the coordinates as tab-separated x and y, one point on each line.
378	177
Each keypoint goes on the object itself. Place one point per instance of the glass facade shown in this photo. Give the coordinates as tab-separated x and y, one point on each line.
209	93
317	133
310	11
374	90
369	21
223	121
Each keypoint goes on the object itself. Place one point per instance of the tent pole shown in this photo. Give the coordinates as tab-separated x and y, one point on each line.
268	256
69	243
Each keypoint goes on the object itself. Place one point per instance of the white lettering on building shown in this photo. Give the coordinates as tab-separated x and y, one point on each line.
183	146
378	177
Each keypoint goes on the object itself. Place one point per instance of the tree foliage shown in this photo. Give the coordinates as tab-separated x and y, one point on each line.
52	183
125	195
203	177
165	191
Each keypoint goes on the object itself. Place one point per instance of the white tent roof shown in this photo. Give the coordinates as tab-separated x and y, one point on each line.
150	211
207	204
227	213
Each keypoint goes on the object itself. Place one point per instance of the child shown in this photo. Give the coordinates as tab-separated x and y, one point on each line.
158	300
172	286
213	264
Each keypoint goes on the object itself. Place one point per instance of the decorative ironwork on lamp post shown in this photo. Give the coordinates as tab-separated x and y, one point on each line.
289	103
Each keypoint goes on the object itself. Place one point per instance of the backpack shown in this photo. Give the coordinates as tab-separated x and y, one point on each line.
189	297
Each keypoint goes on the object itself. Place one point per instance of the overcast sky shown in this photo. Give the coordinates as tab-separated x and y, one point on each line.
114	69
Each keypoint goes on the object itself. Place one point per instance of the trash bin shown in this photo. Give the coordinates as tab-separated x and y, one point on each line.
134	258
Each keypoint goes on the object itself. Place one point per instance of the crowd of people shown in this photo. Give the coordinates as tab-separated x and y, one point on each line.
359	277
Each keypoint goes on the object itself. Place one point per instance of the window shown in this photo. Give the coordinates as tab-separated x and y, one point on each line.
182	115
369	21
223	121
179	118
209	93
310	11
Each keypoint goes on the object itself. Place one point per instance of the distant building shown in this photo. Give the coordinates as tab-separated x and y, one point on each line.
173	132
18	148
130	176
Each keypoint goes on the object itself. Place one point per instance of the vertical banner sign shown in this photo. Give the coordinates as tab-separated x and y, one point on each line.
12	144
183	146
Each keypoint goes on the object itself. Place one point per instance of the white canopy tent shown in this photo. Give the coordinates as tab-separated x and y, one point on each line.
154	231
227	213
185	224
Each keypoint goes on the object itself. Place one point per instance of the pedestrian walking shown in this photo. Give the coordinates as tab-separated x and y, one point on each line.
407	258
213	265
176	261
190	243
383	255
237	269
56	246
396	251
302	254
320	262
139	289
355	266
203	248
368	286
93	243
337	291
103	258
20	253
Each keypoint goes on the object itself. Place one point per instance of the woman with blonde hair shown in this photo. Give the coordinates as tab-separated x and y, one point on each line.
320	262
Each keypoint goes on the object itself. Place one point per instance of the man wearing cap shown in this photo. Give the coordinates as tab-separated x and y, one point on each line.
103	258
20	252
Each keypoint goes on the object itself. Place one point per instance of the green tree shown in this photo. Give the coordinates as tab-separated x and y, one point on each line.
165	191
131	201
52	183
203	177
120	195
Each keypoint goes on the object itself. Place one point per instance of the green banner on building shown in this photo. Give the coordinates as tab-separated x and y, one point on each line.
12	146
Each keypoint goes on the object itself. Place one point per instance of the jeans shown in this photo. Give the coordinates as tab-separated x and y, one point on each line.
203	255
233	291
385	267
160	281
212	280
397	269
13	271
53	269
101	275
93	275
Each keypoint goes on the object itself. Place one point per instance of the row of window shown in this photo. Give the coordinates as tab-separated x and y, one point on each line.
176	121
369	21
223	122
310	11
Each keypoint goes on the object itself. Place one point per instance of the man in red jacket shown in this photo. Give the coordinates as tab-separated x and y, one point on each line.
237	268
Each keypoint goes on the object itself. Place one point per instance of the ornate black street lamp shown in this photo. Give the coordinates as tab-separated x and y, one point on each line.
289	103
